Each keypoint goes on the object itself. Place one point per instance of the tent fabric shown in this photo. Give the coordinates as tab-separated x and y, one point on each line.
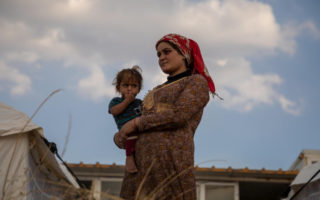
306	173
13	121
28	170
16	176
312	190
48	182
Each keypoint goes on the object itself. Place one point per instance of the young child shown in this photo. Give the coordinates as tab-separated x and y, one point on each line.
128	83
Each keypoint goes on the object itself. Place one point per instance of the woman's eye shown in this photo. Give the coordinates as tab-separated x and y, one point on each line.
158	54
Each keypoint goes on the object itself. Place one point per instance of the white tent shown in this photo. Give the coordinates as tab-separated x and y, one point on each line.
28	170
312	190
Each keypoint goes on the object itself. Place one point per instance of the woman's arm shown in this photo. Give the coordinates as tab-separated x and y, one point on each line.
129	127
192	99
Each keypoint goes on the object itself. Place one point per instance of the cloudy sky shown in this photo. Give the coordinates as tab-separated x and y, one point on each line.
263	56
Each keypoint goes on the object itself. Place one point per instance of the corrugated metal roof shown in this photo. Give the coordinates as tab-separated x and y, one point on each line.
197	168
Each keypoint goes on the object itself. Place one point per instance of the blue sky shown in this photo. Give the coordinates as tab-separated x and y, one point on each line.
263	56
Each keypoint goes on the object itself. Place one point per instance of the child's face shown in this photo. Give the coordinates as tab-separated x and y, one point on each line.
129	87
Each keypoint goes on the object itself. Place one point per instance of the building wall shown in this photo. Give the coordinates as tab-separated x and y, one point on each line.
212	183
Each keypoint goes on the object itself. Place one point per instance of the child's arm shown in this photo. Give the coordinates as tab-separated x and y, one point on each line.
119	108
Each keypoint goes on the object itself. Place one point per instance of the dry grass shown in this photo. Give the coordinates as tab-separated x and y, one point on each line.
67	136
66	190
162	185
19	138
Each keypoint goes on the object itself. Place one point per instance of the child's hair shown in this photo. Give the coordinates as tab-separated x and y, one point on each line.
133	73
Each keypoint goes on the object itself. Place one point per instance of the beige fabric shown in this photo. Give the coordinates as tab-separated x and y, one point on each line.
14	122
28	170
306	173
16	181
311	191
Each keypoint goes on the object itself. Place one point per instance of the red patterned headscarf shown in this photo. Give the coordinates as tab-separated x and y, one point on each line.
191	51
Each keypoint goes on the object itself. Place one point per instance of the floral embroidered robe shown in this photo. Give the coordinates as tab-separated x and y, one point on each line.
165	147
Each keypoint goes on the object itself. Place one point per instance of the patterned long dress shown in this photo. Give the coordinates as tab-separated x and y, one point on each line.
165	147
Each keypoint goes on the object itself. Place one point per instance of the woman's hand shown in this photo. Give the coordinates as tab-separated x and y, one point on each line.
121	136
129	127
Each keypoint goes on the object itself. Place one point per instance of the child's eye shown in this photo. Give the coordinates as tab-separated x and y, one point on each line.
134	85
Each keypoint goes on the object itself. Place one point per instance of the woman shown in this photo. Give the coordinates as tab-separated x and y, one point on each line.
170	115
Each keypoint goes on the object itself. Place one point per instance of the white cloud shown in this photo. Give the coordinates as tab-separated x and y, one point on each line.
14	80
286	41
291	30
155	77
311	28
79	5
222	62
249	25
113	28
243	90
88	35
95	86
26	57
289	106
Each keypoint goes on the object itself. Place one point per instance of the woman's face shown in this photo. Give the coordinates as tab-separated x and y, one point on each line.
170	60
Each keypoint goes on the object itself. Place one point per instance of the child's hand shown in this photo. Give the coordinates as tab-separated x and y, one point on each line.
129	97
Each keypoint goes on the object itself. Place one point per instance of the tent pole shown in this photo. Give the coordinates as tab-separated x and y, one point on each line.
53	148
